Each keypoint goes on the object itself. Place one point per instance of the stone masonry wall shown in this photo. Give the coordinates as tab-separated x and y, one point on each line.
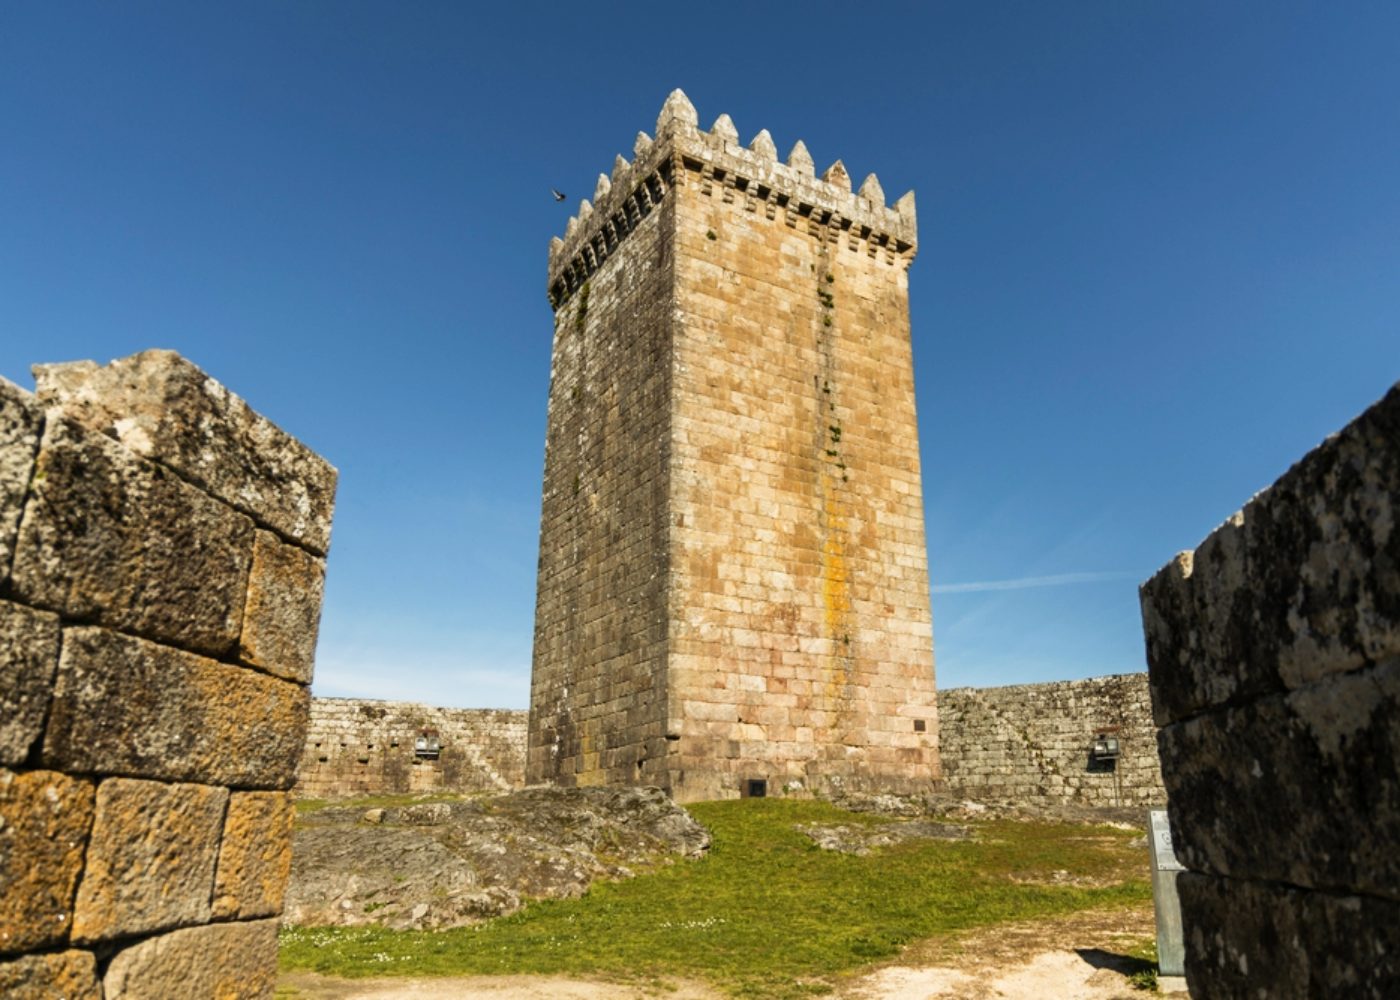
733	579
162	553
1274	661
597	689
1033	741
1019	743
361	747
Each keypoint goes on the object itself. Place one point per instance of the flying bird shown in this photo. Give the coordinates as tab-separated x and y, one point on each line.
558	195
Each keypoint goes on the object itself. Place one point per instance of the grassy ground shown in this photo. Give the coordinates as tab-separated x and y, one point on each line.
766	915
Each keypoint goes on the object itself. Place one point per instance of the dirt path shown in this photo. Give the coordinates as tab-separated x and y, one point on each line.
1079	957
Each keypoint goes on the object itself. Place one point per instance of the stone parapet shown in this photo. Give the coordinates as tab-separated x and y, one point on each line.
717	159
1274	658
161	556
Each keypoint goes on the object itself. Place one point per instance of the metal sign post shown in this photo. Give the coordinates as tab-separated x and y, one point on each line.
1171	941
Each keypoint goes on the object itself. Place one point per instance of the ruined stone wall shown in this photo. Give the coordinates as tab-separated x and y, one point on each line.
1274	661
739	591
361	747
161	563
1033	741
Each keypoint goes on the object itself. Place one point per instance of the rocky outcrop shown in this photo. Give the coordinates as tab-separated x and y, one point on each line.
447	864
861	840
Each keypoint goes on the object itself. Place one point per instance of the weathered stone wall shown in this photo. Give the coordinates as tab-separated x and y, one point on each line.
361	747
733	580
1274	658
1033	741
1019	743
162	553
597	689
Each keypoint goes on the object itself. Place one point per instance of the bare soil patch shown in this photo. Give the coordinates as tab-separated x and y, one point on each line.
1081	956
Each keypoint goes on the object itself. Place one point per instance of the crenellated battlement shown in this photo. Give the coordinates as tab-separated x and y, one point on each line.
682	153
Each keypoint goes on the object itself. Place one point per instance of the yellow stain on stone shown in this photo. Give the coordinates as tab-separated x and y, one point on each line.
590	771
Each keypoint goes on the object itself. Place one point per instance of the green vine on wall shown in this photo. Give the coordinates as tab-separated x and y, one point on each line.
582	307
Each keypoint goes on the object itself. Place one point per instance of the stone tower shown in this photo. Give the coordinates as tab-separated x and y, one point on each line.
733	581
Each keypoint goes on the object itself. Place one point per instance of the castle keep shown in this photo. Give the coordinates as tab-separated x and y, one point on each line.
733	583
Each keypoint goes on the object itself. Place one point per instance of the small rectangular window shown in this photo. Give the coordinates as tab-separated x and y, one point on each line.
920	726
756	788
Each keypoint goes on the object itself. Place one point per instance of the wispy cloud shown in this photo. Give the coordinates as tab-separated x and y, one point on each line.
1022	583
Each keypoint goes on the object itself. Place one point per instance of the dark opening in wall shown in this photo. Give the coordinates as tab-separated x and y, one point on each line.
756	788
920	726
427	746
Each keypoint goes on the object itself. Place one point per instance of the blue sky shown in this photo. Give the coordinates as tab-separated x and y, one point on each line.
1159	260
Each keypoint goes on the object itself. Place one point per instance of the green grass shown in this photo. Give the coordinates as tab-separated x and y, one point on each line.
766	914
1144	976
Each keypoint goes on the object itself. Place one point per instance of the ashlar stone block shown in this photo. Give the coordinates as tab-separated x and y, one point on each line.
20	422
44	823
111	538
1302	788
256	857
68	975
1317	944
283	611
28	660
150	865
236	961
164	407
126	706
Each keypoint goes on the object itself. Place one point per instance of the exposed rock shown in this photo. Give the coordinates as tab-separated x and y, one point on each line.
256	855
861	840
283	611
28	659
150	863
237	960
44	822
882	803
70	975
1044	809
110	538
126	706
446	864
162	406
